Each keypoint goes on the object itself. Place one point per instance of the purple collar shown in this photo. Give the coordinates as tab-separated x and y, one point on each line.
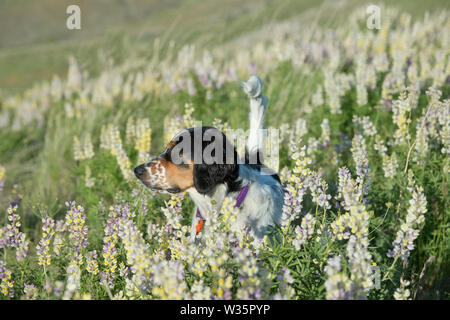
239	199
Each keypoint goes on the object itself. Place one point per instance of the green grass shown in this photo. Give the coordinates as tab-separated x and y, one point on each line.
38	47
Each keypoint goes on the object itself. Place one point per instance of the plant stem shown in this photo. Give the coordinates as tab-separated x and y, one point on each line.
389	269
324	214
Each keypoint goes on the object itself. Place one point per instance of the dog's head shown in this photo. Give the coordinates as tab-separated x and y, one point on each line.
200	157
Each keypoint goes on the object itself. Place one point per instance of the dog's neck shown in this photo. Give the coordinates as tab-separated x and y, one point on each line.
208	202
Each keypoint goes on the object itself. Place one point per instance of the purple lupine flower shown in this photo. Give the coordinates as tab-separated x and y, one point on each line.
43	248
13	232
75	222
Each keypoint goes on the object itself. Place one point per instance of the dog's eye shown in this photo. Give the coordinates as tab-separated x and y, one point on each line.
167	155
178	160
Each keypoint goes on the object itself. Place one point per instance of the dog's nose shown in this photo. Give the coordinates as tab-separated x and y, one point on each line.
139	171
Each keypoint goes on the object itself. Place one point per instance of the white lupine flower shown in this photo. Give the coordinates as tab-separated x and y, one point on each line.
402	293
390	165
304	231
411	226
73	281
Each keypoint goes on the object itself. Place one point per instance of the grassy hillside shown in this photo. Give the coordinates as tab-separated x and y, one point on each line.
38	46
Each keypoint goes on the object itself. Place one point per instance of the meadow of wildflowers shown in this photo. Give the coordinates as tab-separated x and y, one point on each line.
364	139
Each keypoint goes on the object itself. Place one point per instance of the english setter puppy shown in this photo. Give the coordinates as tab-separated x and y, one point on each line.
185	166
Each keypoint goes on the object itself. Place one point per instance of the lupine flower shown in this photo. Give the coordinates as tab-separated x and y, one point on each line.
401	108
358	255
6	284
348	189
3	237
77	150
285	280
353	222
118	151
109	245
58	288
11	235
13	226
361	79
138	254
188	120
200	291
58	241
359	260
296	186
91	262
172	211
381	62
318	188
434	124
123	270
139	134
89	181
313	146
333	93
31	292
253	278
48	287
390	165
410	228
110	140
75	74
105	141
402	293
143	139
75	222
88	151
43	248
317	98
22	248
364	126
379	145
73	281
172	125
298	131
304	231
337	284
354	226
325	137
130	132
360	157
168	279
2	178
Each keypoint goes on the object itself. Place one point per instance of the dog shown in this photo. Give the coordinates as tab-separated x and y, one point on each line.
258	191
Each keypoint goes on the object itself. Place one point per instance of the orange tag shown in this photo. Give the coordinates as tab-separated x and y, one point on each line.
199	226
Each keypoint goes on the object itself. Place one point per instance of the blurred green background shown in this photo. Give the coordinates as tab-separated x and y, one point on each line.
35	43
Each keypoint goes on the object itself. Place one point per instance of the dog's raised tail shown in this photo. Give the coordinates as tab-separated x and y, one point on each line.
258	104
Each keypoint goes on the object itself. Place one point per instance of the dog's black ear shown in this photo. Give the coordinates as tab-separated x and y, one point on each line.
221	168
208	176
203	180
